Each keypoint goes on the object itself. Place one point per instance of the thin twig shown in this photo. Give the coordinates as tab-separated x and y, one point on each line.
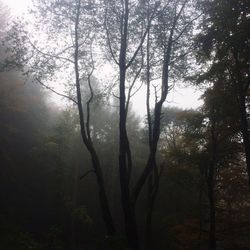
115	96
142	39
88	172
108	39
133	83
183	30
49	55
54	91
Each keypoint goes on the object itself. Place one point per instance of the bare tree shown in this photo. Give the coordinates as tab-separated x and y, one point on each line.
64	53
69	29
173	26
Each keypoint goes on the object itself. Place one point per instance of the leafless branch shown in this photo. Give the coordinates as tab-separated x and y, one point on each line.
165	6
115	96
143	38
155	91
87	173
91	95
186	26
57	56
134	93
182	8
108	39
178	57
149	119
54	91
133	83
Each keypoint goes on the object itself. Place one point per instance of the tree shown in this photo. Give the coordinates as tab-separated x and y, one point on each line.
169	39
70	28
222	142
207	140
66	55
183	144
167	50
223	41
124	27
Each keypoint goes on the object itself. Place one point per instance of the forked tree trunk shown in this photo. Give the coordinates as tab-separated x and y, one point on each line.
128	207
124	150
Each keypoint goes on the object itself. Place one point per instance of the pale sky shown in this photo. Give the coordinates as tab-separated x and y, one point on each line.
17	7
183	98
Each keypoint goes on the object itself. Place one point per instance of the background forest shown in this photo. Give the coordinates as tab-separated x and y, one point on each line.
88	172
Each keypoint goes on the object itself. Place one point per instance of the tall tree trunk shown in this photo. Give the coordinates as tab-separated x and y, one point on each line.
200	204
108	220
150	203
210	184
124	150
107	217
153	187
245	130
74	206
149	214
212	232
128	207
242	90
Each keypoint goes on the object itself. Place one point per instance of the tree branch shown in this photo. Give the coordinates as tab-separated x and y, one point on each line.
184	29
132	85
57	56
87	173
149	119
157	111
91	96
108	39
143	38
54	91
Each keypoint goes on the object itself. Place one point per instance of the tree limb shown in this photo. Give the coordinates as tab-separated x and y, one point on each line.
108	39
88	172
186	26
57	56
132	85
54	91
143	38
91	96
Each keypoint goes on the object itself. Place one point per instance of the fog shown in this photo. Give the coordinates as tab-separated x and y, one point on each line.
124	125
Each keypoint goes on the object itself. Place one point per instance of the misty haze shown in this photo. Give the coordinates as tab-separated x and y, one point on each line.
124	125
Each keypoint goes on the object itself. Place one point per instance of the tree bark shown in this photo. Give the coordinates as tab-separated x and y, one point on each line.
200	204
74	206
124	150
153	187
211	183
242	90
107	217
245	131
212	233
128	207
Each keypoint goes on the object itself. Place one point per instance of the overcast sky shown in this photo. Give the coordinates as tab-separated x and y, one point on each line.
180	97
